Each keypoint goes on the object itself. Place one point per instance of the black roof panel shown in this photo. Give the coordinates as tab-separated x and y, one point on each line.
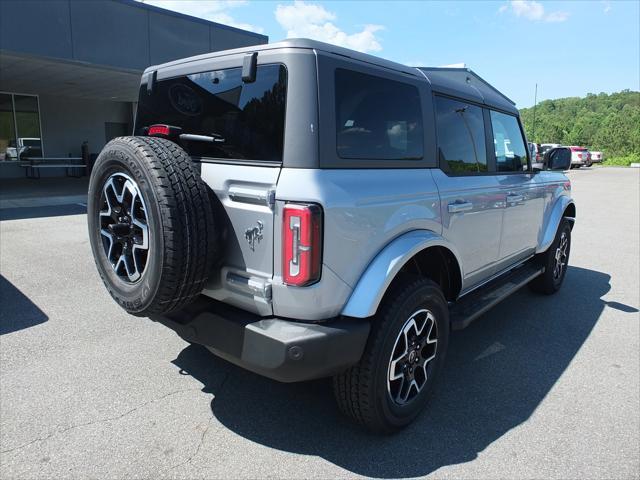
465	83
459	82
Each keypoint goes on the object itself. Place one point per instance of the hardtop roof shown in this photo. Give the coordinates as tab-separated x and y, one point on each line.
458	82
465	83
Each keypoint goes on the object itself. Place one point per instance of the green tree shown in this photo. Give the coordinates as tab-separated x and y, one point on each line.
606	122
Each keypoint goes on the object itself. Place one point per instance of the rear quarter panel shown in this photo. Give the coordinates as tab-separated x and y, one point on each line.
363	210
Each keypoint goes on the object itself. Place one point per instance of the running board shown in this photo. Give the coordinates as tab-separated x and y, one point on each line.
471	306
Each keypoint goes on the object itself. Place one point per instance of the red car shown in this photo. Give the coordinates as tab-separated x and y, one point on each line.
580	156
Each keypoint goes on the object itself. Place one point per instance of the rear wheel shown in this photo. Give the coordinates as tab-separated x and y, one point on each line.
555	261
151	224
395	377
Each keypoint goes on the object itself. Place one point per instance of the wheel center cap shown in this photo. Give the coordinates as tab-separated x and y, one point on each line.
412	356
120	229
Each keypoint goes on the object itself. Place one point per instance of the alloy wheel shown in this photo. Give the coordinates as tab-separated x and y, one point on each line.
561	255
412	357
124	227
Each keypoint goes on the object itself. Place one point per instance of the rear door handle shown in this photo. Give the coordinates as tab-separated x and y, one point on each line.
457	207
514	198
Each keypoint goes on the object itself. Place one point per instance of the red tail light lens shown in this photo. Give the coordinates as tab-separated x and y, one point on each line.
159	130
301	244
163	131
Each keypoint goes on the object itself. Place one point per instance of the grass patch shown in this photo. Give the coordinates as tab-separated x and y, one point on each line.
624	161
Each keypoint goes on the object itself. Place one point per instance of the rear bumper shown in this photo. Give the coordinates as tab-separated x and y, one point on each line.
281	349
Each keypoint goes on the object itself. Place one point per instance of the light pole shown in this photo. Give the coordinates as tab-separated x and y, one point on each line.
535	104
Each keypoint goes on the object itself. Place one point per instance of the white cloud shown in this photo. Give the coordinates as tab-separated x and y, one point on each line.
534	11
556	16
415	63
309	20
528	9
213	10
606	6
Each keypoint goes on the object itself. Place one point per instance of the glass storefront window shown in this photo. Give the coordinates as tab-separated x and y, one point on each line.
19	127
7	128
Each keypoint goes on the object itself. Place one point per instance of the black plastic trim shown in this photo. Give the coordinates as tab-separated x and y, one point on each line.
284	350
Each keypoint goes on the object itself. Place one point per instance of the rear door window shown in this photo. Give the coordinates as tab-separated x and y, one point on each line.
461	137
511	154
240	121
377	118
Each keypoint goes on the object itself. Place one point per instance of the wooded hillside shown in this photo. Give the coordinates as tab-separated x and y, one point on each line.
609	123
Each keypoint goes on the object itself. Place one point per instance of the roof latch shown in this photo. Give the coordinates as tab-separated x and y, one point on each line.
249	67
151	81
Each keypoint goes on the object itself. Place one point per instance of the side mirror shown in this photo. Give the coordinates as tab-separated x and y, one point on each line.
558	158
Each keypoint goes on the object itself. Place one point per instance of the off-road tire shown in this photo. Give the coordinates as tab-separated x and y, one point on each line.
361	391
180	221
546	283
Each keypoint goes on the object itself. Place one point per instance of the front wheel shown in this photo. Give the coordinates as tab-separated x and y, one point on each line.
555	262
395	377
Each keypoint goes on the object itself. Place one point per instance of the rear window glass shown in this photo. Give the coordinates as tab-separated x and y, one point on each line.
377	118
461	140
243	121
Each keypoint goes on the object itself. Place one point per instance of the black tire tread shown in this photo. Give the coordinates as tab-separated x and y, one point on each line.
353	387
543	283
187	223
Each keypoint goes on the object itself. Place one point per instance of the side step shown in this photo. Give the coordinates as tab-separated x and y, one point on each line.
471	306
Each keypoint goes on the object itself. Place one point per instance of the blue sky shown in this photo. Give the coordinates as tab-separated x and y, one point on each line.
567	48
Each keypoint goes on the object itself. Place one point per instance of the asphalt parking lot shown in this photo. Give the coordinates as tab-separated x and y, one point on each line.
538	387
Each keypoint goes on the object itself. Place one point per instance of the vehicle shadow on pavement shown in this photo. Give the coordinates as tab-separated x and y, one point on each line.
22	213
498	371
17	311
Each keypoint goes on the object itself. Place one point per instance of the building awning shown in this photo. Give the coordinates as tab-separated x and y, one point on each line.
27	74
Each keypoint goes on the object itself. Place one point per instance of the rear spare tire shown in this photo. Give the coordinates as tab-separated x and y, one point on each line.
151	224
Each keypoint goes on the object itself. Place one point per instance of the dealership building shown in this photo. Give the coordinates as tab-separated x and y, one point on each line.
70	71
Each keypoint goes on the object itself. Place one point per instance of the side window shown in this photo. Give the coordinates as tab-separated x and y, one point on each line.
377	118
511	153
460	130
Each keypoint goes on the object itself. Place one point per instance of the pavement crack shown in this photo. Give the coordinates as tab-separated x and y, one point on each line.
195	454
204	433
58	430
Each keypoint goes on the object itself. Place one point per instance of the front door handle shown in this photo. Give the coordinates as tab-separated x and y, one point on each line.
457	207
515	198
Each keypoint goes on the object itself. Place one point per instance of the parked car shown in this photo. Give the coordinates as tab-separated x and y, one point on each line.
24	146
579	157
345	238
597	157
534	150
545	147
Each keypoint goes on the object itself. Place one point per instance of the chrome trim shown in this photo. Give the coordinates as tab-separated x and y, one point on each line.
253	286
458	207
245	194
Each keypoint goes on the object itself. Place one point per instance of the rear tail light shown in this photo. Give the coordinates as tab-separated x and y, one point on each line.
301	244
163	131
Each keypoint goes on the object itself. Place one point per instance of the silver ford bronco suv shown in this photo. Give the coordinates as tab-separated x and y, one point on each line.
305	211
